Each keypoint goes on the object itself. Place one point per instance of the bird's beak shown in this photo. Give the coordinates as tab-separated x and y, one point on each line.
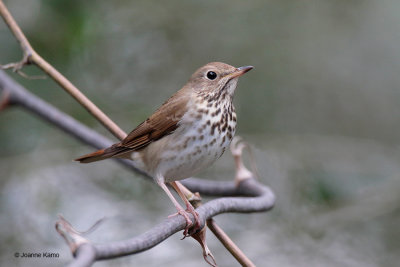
240	71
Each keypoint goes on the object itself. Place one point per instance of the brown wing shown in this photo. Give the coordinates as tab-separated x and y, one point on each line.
163	122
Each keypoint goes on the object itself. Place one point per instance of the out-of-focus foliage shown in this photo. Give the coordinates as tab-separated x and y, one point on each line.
321	106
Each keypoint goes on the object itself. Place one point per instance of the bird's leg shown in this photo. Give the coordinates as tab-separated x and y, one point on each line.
189	207
181	211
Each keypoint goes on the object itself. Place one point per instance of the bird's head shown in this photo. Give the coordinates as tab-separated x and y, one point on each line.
216	80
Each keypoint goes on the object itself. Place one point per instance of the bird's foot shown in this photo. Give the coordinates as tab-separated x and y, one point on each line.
189	222
197	226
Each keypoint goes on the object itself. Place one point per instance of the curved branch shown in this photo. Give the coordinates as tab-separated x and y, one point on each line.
262	200
172	225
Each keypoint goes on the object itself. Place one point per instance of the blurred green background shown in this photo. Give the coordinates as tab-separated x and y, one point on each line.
321	109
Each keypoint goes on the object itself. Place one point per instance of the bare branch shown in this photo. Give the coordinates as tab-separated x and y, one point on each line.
229	245
262	200
73	238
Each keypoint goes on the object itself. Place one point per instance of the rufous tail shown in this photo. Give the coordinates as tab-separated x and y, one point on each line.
95	156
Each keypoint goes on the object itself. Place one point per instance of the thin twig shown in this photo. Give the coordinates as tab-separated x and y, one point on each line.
229	244
31	57
72	237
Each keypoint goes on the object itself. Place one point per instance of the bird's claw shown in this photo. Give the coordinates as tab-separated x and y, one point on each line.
200	236
189	222
194	228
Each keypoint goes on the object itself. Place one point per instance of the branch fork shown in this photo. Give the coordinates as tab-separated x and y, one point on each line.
72	237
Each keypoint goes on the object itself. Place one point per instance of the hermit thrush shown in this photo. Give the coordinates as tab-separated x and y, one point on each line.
189	132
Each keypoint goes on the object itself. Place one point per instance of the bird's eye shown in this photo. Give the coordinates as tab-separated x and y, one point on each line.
211	75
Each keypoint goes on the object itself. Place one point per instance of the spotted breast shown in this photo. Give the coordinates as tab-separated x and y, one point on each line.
203	135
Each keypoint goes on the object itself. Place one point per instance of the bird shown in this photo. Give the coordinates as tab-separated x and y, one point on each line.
184	136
